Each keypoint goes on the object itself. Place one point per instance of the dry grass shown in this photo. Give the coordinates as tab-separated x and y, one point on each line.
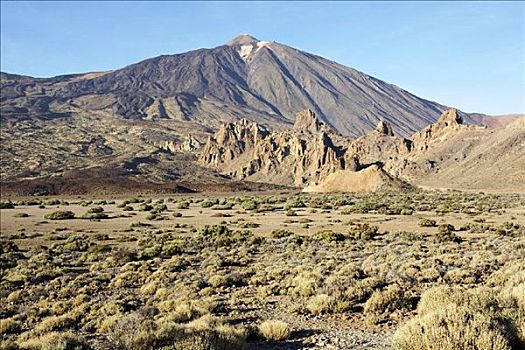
274	330
201	282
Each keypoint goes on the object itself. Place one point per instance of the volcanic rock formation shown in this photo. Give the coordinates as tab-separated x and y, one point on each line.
262	81
312	155
135	120
307	152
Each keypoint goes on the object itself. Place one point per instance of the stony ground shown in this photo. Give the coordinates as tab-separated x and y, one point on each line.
342	271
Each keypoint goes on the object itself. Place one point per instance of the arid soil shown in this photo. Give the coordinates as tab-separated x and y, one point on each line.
340	271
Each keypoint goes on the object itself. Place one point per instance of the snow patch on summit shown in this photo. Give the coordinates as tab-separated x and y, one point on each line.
262	44
245	51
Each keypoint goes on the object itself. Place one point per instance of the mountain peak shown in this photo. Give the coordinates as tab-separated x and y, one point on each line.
243	39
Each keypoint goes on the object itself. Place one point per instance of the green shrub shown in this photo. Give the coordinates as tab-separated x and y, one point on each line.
248	225
446	234
154	216
214	231
95	216
95	210
363	231
60	215
328	236
183	205
226	206
249	204
427	223
6	205
294	202
281	233
208	203
144	207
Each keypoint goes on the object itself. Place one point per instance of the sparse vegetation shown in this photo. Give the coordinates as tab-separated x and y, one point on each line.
274	330
60	215
250	276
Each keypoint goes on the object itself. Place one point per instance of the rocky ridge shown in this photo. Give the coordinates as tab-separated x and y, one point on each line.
308	151
314	156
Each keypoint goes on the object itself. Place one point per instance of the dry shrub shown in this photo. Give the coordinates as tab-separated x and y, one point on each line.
56	341
304	285
55	323
451	328
139	332
320	304
134	332
207	340
455	318
9	325
390	299
274	330
60	215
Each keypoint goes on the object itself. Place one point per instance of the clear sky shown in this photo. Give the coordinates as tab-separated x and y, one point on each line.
464	54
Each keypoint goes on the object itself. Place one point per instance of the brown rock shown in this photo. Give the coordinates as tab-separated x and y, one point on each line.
384	128
306	153
370	179
450	117
307	121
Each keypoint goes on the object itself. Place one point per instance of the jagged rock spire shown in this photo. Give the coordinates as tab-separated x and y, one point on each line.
450	117
384	128
306	121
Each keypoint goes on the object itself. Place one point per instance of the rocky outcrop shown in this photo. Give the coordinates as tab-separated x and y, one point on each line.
311	154
189	144
306	153
384	128
231	141
380	147
449	121
370	179
307	122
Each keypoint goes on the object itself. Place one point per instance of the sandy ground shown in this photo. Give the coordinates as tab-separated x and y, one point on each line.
195	217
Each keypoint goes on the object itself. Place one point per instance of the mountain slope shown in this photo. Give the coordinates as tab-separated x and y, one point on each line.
246	78
143	114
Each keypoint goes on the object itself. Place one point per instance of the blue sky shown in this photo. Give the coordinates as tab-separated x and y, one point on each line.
464	54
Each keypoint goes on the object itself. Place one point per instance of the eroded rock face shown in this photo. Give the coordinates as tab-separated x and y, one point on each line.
449	121
384	128
310	152
231	141
189	144
305	153
307	122
450	118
